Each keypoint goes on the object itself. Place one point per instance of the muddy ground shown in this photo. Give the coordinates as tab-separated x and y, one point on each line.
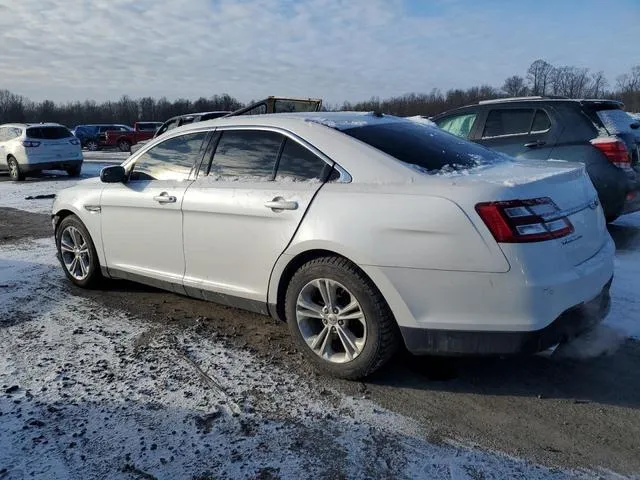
556	411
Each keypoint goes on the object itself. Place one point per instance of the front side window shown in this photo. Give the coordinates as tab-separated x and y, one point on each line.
515	121
171	159
258	110
299	164
246	154
459	125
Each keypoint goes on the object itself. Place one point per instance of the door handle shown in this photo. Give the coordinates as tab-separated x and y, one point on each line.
537	143
164	197
279	204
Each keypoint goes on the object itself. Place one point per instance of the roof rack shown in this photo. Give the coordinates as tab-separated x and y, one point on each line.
517	99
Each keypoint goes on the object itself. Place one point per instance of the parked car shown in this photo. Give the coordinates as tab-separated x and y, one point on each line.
597	133
125	139
357	229
29	148
270	104
93	137
180	120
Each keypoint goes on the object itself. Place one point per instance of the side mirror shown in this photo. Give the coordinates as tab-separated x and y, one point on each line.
113	174
635	125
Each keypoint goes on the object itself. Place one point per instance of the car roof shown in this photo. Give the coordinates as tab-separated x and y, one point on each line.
27	125
335	120
531	100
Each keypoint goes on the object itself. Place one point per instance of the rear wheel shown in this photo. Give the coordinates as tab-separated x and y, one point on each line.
124	146
339	319
77	253
16	174
74	171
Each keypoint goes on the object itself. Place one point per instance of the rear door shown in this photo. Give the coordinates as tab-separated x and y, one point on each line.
521	132
242	211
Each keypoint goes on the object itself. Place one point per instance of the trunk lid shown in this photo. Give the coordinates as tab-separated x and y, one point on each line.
567	185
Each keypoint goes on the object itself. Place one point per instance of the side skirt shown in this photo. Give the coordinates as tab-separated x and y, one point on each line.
255	306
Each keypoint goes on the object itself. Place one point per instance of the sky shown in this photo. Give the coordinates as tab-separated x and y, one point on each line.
334	49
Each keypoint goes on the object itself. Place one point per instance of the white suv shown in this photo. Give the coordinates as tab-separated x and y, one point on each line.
27	148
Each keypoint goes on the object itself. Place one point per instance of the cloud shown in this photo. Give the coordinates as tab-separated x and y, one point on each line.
335	49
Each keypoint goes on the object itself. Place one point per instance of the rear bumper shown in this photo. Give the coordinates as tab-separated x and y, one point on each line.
568	325
57	165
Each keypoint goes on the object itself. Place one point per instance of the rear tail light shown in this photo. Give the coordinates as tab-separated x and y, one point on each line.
30	143
74	141
614	149
521	221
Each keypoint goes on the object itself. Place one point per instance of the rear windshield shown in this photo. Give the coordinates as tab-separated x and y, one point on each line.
48	133
426	148
614	120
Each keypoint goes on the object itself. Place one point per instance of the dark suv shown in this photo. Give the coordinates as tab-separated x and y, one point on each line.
93	137
597	133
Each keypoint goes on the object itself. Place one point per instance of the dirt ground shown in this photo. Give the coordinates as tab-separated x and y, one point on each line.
557	411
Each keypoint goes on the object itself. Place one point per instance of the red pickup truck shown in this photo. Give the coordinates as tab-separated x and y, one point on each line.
123	140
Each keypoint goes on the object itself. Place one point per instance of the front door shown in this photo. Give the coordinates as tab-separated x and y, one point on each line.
142	218
240	215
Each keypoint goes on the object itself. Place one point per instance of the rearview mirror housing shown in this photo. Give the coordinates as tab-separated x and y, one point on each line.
635	125
113	174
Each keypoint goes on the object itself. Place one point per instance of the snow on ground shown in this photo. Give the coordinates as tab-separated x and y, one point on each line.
92	393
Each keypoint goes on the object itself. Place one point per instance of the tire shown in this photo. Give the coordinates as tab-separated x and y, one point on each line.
92	145
374	335
74	171
124	146
16	174
86	257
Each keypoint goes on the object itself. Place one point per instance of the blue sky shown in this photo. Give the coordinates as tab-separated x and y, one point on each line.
335	49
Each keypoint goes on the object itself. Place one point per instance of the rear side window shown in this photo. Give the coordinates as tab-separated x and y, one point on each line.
541	122
458	125
48	133
426	148
298	164
246	154
508	122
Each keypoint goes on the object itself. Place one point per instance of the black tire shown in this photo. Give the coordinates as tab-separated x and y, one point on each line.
383	336
94	275
16	174
74	171
92	145
124	146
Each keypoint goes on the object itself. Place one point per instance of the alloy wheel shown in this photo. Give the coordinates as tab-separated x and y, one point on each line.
74	249
331	320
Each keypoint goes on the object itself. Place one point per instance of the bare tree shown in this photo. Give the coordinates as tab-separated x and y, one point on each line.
514	86
538	76
598	84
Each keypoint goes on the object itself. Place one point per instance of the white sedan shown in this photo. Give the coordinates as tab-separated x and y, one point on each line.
362	231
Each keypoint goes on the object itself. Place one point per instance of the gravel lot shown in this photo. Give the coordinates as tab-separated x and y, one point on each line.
132	382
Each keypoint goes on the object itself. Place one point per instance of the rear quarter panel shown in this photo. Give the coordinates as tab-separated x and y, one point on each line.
371	226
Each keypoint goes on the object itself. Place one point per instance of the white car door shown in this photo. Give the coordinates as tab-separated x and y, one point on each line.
142	218
241	214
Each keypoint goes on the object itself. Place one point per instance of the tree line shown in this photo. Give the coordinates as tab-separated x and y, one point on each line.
541	78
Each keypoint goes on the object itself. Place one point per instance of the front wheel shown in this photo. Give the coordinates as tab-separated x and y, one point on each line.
124	146
339	319
77	253
16	174
92	145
